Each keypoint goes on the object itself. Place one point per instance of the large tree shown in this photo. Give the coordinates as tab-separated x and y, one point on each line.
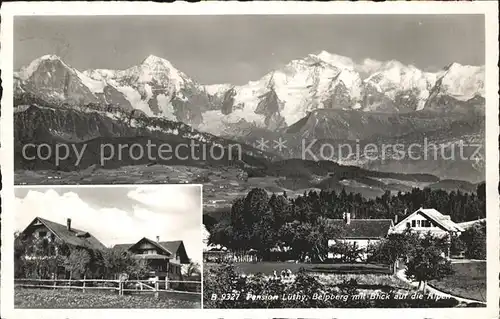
426	260
474	239
393	248
77	263
118	261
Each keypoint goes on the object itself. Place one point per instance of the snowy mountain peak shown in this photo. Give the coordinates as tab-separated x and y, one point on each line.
457	67
453	65
50	57
463	82
26	72
154	60
281	97
335	60
161	70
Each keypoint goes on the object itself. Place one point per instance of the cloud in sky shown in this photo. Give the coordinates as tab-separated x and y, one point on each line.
172	212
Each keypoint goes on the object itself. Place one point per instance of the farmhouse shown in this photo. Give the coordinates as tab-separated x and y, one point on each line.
426	220
164	258
43	229
362	232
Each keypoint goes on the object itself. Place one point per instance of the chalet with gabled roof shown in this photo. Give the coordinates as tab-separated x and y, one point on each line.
425	220
165	258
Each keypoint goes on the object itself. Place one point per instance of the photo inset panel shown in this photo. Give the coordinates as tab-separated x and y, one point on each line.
108	247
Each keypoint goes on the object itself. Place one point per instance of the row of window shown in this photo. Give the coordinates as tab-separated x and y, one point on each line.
419	223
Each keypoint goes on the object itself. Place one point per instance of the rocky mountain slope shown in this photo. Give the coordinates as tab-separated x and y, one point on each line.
38	121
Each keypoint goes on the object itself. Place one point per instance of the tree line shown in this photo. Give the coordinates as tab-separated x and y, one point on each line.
461	206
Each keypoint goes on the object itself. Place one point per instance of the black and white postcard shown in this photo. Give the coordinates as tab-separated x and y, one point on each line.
345	155
107	247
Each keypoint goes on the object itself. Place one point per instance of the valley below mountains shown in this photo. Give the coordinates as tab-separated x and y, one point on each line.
321	102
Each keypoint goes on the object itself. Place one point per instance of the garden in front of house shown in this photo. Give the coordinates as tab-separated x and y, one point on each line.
72	299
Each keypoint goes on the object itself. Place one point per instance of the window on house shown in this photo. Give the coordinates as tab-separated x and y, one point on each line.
413	223
42	233
408	225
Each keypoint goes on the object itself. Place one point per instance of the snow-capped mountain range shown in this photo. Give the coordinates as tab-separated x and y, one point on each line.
277	100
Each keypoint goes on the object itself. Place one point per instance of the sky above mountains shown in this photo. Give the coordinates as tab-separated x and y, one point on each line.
235	49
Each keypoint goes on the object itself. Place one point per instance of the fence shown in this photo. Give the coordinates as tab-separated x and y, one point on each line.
120	286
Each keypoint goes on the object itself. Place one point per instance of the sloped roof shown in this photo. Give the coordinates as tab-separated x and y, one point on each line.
70	236
172	246
443	220
154	243
364	228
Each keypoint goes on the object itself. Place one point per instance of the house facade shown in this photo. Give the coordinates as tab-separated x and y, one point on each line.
39	239
360	232
425	220
165	259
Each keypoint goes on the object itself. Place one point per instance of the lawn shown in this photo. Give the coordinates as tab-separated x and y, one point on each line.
267	268
64	299
469	281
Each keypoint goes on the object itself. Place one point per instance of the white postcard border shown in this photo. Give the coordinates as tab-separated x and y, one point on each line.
488	8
